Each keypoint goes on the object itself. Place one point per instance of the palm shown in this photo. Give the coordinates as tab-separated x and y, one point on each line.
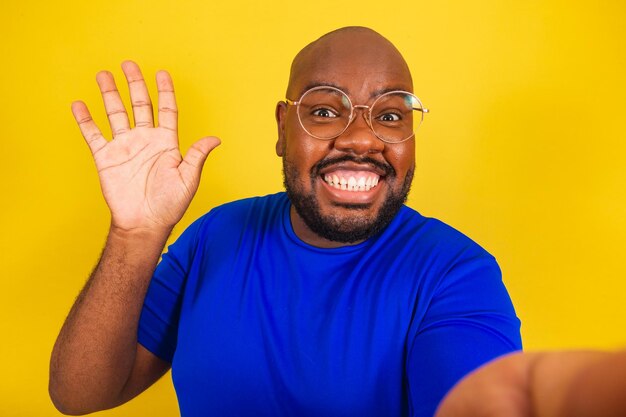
145	161
145	180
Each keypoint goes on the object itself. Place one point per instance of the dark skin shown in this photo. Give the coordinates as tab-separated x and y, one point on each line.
362	64
96	362
147	184
542	384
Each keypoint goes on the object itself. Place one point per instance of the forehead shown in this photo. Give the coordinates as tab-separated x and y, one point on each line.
361	64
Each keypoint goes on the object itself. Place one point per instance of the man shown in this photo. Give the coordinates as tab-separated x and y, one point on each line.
331	299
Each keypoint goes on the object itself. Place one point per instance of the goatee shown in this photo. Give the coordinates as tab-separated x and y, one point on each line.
344	229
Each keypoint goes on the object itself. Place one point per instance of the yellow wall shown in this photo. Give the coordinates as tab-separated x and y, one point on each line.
524	149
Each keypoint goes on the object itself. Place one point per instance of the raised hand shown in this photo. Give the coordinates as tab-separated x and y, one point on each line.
146	182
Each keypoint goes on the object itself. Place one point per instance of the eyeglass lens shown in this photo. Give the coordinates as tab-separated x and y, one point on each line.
325	113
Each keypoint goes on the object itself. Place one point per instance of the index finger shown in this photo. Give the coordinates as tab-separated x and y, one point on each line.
168	111
88	127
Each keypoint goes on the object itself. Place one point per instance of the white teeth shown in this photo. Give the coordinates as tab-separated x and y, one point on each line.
352	183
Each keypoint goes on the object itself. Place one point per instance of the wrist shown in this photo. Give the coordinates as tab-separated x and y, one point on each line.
137	249
144	235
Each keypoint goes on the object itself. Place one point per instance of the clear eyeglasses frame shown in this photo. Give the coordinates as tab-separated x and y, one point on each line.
325	112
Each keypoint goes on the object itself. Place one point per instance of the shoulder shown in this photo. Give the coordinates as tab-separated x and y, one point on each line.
420	233
263	203
431	255
228	223
258	207
246	214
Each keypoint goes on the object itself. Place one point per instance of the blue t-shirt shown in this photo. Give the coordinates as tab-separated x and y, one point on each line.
258	323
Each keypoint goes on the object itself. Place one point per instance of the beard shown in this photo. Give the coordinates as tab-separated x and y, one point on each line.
344	229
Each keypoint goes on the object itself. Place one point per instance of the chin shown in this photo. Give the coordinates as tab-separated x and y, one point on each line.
345	220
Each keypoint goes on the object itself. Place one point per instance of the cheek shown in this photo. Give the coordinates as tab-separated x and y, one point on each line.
302	150
401	157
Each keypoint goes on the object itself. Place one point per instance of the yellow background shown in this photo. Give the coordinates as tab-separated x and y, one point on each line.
524	149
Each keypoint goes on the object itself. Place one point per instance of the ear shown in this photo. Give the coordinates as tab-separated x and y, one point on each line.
281	118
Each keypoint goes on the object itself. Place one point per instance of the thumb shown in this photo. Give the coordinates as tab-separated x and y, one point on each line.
192	163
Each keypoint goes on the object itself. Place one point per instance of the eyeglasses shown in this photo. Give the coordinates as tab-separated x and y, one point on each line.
326	112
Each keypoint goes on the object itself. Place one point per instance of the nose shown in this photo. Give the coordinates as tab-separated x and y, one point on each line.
359	138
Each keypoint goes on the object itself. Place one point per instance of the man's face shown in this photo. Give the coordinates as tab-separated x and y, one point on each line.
324	214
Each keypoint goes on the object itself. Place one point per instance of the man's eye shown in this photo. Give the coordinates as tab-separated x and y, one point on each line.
389	117
323	112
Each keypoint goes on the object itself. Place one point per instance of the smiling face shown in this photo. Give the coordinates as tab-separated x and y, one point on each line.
346	189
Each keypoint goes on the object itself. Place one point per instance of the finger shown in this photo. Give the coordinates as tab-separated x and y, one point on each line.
168	112
139	97
118	119
88	127
192	164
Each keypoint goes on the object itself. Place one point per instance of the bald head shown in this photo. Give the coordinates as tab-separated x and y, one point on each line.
348	51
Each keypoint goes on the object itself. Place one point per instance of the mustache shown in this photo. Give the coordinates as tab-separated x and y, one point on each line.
386	168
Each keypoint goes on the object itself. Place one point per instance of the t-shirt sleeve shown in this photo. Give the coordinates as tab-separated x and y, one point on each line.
470	320
158	323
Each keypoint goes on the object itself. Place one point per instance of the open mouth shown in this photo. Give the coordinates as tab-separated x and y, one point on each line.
352	181
348	181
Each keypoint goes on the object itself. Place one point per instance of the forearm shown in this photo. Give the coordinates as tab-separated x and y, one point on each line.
95	351
542	384
579	384
599	390
497	389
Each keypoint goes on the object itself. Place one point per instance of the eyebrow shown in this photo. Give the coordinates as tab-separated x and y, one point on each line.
381	91
319	84
373	94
